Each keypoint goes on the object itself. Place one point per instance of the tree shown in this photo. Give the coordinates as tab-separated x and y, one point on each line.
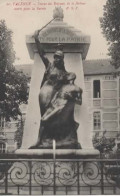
110	24
103	144
13	83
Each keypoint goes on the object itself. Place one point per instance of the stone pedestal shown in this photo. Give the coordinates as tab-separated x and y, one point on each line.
57	154
75	48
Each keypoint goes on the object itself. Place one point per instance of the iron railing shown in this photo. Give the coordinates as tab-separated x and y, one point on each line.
59	177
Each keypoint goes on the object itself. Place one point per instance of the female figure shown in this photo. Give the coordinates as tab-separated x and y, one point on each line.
58	120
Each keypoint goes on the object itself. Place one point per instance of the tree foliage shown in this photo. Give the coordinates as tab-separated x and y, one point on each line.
13	83
110	24
103	144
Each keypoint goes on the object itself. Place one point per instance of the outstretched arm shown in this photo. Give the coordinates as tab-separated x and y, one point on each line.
41	50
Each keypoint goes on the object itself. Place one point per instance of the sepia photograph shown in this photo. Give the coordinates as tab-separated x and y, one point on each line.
59	97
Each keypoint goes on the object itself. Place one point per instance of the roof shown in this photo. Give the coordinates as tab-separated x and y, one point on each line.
98	67
90	67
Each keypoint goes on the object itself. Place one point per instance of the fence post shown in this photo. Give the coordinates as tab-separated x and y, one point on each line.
6	178
102	177
54	176
78	178
30	177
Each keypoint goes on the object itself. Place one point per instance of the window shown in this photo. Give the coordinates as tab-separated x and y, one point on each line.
2	147
96	89
96	120
2	121
109	77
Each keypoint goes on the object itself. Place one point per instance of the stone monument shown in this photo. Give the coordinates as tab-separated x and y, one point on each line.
57	107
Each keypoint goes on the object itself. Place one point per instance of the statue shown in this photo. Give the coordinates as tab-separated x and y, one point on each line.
57	98
58	13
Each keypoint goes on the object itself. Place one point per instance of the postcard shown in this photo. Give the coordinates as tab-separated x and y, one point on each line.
59	98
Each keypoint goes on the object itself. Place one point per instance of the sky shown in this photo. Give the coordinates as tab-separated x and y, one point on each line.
83	15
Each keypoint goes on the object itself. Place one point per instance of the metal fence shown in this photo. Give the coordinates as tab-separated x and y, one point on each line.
59	177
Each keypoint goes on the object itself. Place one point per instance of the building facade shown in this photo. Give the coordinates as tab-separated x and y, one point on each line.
102	84
7	136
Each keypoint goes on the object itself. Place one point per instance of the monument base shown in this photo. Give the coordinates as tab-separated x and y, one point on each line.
58	153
